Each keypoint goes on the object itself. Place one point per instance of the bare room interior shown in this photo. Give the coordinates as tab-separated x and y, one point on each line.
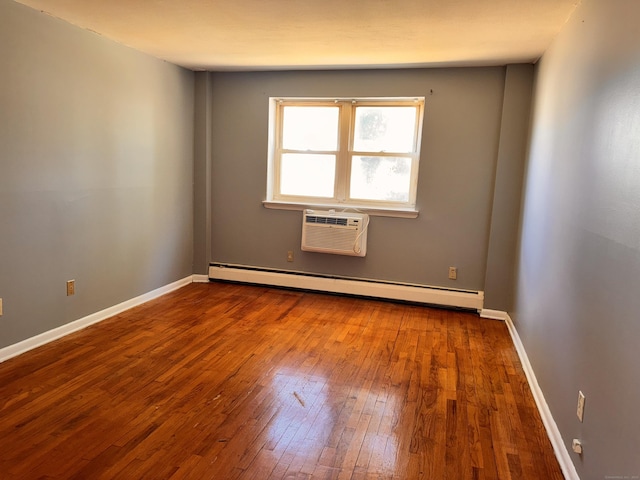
176	303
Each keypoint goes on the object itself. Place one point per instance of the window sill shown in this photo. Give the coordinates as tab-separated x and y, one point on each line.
374	211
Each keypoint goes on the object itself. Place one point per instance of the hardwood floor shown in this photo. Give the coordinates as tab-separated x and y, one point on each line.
224	381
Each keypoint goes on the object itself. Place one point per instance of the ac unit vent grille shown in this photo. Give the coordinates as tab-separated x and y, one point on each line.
326	220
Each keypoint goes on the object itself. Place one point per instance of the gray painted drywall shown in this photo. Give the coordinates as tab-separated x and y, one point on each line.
202	173
507	190
578	302
459	150
96	172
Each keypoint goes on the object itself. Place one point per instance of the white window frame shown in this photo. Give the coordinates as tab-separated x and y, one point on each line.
344	155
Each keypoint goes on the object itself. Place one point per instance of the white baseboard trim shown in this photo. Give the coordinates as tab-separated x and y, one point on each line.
359	287
200	278
30	343
562	454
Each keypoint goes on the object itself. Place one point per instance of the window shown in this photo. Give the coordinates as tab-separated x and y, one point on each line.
345	153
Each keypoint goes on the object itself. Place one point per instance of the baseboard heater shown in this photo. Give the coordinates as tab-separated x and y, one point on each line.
467	299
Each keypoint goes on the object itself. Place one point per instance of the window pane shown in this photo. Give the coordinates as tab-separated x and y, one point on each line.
310	128
307	174
384	129
381	178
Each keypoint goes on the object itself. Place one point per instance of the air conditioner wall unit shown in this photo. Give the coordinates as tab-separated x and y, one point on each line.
338	233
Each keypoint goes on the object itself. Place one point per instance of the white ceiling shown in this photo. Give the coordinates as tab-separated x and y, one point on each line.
282	34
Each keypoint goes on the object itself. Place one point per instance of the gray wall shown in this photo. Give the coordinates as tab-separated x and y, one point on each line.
202	173
507	191
578	299
460	142
96	172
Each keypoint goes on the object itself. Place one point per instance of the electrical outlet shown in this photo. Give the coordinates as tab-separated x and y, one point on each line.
0	307
576	446
71	288
580	410
290	256
453	273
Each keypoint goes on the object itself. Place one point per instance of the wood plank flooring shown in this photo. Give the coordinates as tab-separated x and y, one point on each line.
225	381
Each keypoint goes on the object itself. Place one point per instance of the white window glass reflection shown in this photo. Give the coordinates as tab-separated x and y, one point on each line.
381	178
384	129
309	175
310	128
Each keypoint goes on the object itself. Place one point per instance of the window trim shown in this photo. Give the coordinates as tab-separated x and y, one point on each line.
344	156
373	211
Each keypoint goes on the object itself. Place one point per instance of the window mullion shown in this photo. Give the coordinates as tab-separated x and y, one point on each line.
310	152
344	160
